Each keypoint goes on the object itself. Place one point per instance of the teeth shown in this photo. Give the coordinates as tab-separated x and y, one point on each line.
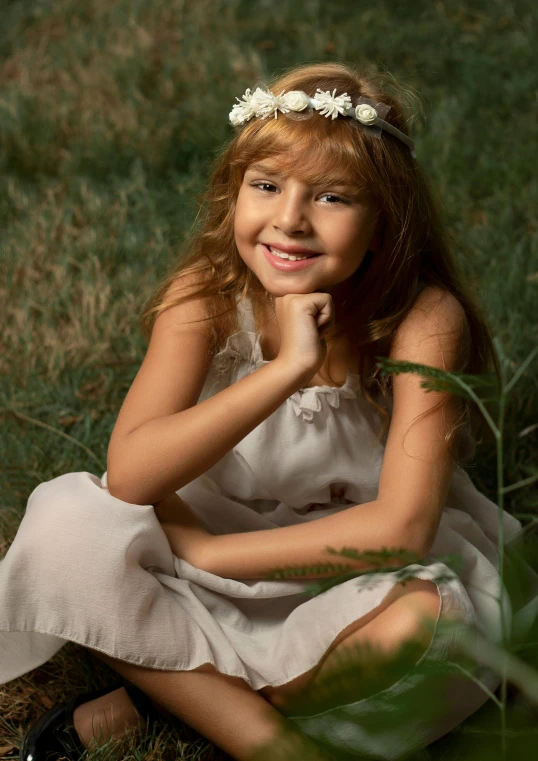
282	255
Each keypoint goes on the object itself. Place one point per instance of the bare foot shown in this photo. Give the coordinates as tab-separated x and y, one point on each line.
108	716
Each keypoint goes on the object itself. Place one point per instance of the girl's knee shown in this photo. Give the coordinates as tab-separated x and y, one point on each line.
53	502
409	615
426	599
48	506
415	613
59	516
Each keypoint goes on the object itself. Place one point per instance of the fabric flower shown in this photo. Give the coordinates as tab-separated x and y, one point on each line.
296	100
265	102
366	114
328	105
298	105
243	110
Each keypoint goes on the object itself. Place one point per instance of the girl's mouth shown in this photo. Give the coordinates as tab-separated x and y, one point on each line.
288	265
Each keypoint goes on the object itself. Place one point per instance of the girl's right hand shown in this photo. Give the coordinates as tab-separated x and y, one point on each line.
303	320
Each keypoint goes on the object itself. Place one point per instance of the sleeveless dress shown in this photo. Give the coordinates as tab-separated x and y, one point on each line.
89	568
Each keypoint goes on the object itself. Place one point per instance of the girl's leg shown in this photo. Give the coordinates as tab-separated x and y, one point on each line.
400	621
398	618
107	716
224	709
208	700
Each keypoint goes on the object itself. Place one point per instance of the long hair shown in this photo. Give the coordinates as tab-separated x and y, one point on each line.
414	246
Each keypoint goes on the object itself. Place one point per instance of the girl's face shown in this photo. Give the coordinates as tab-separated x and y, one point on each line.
334	221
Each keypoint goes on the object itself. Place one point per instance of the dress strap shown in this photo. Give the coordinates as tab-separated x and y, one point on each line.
246	314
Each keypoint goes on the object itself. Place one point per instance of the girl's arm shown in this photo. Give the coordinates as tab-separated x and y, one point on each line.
250	555
186	534
363	527
166	453
163	439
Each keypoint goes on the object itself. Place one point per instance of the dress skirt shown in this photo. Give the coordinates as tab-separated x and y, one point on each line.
89	568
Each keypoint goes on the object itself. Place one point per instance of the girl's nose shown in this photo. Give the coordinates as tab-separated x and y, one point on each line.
291	215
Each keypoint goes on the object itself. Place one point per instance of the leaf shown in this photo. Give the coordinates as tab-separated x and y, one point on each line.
441	380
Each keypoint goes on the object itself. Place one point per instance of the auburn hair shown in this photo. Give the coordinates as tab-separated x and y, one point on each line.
415	248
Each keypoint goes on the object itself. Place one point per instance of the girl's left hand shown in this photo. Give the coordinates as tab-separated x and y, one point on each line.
187	536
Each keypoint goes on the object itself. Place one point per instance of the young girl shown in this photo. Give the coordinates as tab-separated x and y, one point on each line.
258	433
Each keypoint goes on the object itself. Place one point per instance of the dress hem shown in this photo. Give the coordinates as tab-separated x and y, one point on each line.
442	591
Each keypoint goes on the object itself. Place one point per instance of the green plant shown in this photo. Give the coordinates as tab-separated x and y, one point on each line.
477	651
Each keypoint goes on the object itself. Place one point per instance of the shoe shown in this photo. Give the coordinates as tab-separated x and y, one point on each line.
54	734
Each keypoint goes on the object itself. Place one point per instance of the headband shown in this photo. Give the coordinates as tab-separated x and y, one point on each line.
296	104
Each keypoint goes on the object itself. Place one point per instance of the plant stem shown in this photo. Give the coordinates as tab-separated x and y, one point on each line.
500	514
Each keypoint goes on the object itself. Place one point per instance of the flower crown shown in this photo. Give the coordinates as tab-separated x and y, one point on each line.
298	105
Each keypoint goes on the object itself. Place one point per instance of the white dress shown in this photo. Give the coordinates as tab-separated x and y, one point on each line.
90	568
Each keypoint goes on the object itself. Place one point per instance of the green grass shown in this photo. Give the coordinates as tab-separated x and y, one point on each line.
110	113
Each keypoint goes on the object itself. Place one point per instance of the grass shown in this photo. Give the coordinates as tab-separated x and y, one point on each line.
110	113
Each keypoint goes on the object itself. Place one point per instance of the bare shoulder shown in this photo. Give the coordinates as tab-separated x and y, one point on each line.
439	303
435	313
190	314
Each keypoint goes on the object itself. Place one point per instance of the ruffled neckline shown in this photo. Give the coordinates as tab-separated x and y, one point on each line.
245	345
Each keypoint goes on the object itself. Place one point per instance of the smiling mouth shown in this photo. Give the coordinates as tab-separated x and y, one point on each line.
290	257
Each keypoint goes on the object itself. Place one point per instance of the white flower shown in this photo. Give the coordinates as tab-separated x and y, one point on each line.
296	100
265	102
243	111
328	105
366	114
238	115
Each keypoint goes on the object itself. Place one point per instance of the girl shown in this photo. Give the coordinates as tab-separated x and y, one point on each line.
257	433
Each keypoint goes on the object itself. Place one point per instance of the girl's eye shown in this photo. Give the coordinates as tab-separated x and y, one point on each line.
260	185
340	200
